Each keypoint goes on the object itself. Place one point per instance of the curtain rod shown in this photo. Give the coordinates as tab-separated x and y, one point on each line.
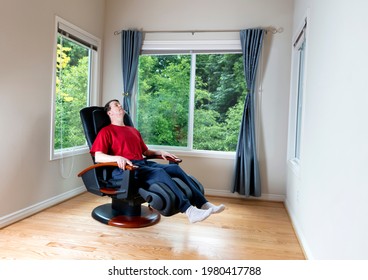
273	30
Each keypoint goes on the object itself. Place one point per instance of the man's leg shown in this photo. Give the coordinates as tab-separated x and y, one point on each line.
175	171
147	175
199	199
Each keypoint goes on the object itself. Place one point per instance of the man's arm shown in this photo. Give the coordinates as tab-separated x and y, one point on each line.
165	155
121	161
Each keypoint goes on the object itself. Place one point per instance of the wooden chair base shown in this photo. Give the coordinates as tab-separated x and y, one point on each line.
142	216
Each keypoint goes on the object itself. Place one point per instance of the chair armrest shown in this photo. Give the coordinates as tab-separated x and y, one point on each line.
93	184
97	165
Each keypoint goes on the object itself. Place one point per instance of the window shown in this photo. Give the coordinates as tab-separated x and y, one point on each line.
191	101
75	85
299	99
297	95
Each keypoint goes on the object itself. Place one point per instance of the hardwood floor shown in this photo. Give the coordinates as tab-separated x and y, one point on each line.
246	230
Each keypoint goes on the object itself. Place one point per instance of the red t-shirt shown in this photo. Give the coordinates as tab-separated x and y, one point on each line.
125	141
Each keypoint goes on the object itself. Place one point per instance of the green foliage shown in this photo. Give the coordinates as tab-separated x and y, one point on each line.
163	100
220	90
71	93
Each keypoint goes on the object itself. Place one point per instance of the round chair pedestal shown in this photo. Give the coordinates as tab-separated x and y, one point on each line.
132	217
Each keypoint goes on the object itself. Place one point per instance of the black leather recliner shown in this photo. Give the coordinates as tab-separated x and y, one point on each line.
126	209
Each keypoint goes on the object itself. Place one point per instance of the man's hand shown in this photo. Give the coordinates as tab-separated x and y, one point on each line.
122	162
165	155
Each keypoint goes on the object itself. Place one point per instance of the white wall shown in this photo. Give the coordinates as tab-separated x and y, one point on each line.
216	173
330	210
29	180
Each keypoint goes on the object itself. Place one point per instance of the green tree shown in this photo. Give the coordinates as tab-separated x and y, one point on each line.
71	93
220	92
163	101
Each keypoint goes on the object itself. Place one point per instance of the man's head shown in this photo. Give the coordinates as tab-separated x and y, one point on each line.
114	111
107	107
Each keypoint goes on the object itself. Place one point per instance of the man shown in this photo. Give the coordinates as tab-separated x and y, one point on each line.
125	146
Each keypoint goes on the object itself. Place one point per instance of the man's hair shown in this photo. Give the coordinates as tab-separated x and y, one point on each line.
107	106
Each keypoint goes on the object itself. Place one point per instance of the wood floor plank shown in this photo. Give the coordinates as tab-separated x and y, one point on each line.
247	229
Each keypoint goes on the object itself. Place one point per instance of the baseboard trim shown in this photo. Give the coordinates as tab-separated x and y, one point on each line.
33	209
221	193
299	234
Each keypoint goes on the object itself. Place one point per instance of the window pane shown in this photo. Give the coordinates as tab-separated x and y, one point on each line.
219	101
163	99
72	92
164	96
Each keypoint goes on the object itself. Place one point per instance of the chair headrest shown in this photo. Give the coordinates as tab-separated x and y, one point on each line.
100	119
93	119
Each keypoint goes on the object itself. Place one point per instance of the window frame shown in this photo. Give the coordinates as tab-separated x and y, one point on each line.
190	48
297	96
79	36
191	109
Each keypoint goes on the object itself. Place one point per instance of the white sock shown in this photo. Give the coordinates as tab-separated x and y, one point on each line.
215	209
196	215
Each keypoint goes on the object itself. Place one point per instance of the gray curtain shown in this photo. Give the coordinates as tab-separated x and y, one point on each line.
131	44
247	178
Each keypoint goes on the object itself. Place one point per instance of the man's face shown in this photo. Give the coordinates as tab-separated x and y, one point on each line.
115	109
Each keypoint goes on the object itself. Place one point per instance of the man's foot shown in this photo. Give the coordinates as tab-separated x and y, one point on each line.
196	215
215	209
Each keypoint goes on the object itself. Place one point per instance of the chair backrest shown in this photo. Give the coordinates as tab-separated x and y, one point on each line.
93	119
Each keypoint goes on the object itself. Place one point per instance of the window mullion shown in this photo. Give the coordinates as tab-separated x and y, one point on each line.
191	101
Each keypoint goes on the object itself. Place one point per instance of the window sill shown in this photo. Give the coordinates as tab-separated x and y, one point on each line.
69	152
196	153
